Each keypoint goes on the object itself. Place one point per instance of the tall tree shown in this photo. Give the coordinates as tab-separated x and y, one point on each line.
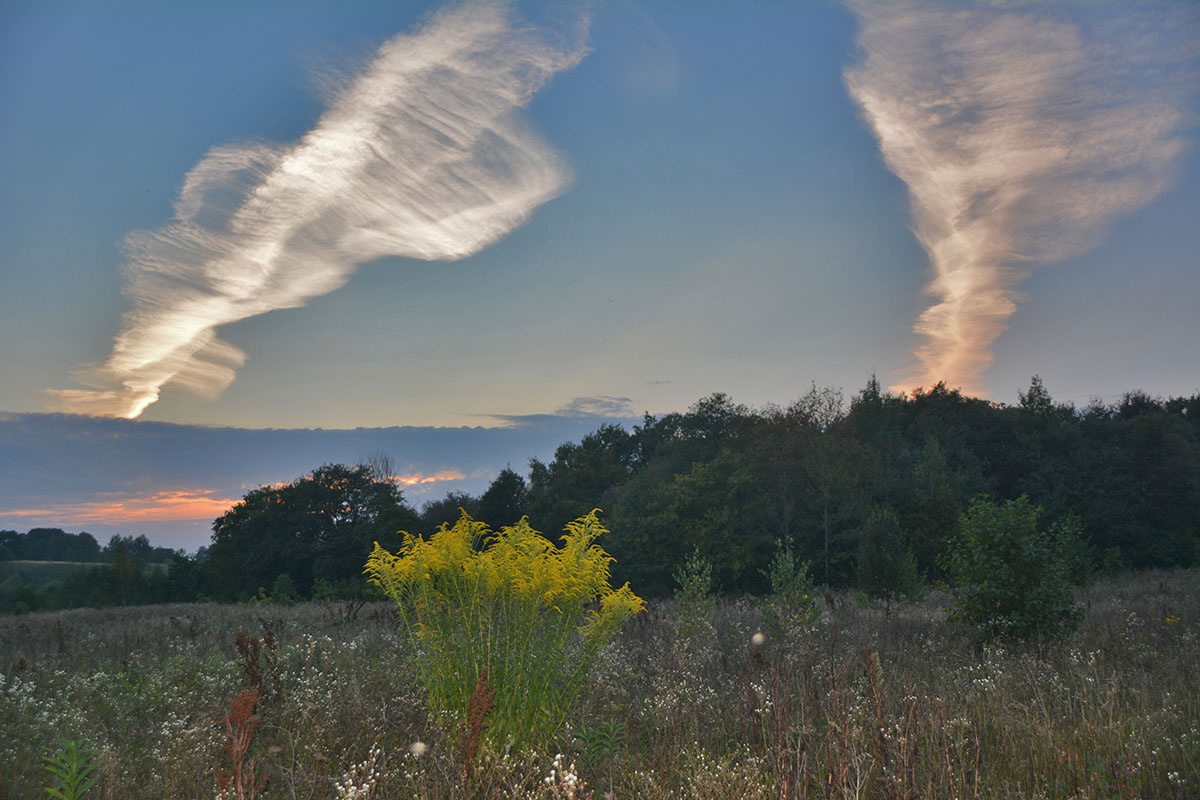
579	478
504	501
447	510
322	525
712	508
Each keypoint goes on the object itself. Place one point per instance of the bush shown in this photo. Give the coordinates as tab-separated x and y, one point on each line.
507	610
792	603
694	599
283	590
1081	564
887	568
1009	579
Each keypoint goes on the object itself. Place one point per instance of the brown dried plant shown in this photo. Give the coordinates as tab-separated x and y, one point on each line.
259	662
241	780
874	672
478	705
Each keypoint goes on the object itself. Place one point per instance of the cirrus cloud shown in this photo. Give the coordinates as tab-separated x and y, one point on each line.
1022	130
421	155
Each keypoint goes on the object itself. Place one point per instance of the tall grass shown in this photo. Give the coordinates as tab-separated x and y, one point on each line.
871	702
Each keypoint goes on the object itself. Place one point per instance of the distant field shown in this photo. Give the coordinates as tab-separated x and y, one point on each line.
49	573
41	573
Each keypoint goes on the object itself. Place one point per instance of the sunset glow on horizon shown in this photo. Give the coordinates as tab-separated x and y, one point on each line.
163	506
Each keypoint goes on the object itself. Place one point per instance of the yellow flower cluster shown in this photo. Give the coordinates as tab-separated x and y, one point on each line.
469	562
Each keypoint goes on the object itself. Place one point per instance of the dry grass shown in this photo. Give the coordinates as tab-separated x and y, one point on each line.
872	703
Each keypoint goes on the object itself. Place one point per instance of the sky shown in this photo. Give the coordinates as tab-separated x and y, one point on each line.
244	240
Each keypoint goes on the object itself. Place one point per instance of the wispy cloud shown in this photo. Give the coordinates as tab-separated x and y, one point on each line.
602	405
580	409
421	155
1022	131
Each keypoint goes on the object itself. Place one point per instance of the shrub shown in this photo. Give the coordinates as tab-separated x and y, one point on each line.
1081	564
509	605
1009	579
694	600
283	590
792	603
887	568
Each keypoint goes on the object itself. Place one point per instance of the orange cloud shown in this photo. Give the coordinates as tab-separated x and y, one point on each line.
169	506
417	479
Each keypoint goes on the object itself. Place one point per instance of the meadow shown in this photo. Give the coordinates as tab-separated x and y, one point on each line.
872	701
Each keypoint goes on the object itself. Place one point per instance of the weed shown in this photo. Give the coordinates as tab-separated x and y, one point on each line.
71	765
602	742
259	661
694	599
242	779
792	604
479	704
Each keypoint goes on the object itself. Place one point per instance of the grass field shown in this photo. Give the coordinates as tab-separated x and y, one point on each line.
871	703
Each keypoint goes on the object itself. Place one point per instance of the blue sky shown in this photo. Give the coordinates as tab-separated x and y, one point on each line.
710	197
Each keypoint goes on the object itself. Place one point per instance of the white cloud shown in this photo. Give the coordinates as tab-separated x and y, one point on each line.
1022	132
421	155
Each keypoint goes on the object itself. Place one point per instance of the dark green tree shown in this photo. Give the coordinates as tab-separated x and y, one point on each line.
579	478
1010	579
447	510
322	525
138	548
714	507
833	469
127	572
184	580
50	544
887	568
504	501
931	499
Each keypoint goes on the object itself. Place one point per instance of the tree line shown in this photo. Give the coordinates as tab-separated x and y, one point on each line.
868	491
821	473
55	544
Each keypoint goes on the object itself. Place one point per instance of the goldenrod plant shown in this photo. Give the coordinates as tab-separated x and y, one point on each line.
510	602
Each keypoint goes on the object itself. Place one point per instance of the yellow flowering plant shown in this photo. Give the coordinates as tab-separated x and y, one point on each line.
532	614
